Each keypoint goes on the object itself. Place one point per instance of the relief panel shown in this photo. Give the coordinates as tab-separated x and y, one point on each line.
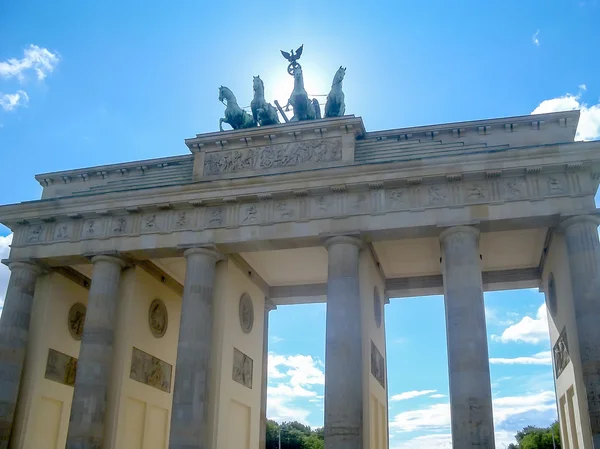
61	368
377	365
554	184
121	225
93	228
294	154
561	353
322	206
476	192
250	214
437	195
215	217
242	368
396	199
153	222
513	189
150	370
35	234
63	231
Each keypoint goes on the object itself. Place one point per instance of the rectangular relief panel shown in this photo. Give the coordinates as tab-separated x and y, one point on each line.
46	429
377	365
242	368
61	368
150	370
561	353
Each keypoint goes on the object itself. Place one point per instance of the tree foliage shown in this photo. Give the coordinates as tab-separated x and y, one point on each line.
294	435
537	438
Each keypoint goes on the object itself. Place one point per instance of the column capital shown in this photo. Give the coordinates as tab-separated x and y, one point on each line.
457	230
269	305
209	252
106	258
578	219
344	239
26	265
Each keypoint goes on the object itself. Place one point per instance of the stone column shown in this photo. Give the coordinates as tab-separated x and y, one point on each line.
468	362
94	366
265	376
189	417
583	249
343	346
14	334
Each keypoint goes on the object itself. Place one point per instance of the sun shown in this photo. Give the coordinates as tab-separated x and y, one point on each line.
279	85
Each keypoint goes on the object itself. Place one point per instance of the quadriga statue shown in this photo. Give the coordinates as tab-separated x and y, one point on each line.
335	106
263	113
234	115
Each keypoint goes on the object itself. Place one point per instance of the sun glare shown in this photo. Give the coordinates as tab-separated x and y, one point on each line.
279	85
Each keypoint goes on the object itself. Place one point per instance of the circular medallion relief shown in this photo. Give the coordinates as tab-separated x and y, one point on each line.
377	307
158	318
246	310
76	320
551	299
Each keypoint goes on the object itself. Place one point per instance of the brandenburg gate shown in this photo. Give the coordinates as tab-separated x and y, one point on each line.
137	310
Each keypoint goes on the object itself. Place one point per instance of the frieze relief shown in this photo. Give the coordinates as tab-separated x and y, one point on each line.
242	368
61	368
273	156
561	353
304	207
377	365
150	370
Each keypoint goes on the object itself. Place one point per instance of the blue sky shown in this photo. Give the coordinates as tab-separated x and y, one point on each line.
87	83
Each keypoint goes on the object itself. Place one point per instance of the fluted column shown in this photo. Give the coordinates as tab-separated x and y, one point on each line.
583	249
14	334
262	444
343	346
189	418
468	363
94	367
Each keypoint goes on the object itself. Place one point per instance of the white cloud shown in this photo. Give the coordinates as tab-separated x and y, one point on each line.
437	396
410	394
444	440
509	406
432	418
541	358
589	120
4	271
535	39
295	377
436	418
8	102
528	330
40	60
302	369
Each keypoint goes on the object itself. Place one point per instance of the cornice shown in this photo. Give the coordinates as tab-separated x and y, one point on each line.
352	178
502	124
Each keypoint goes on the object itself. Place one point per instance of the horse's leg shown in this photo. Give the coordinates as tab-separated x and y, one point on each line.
221	120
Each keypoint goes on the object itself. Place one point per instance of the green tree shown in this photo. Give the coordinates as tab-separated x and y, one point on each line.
537	438
294	435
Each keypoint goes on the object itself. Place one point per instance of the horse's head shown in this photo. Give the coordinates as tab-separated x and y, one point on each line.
226	94
298	74
339	75
257	84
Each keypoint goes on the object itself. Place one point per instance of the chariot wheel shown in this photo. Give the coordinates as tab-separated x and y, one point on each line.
291	67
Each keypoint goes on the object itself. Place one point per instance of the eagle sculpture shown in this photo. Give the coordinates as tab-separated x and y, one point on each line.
293	57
